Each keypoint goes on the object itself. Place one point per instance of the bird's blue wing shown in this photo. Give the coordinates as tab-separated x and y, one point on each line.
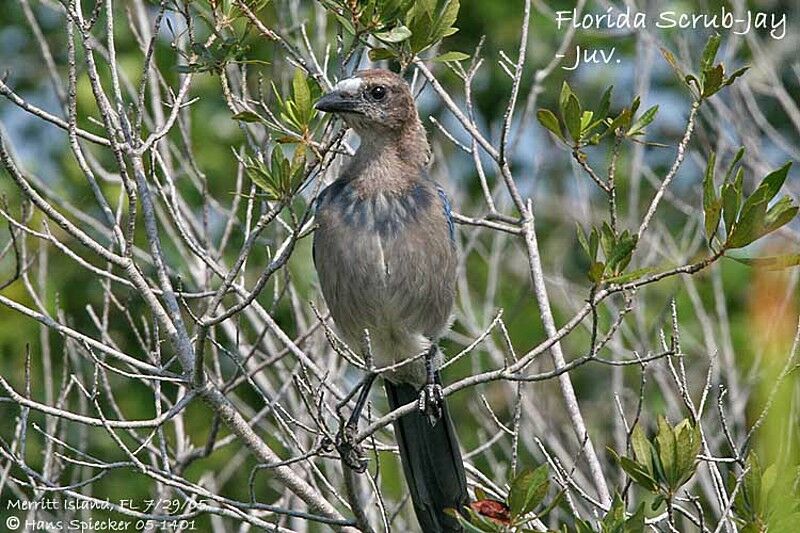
448	213
317	204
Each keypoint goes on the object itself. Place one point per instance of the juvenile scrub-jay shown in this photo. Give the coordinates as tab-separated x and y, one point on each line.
384	249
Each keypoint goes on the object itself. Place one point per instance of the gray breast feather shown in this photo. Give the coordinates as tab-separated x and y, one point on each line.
385	262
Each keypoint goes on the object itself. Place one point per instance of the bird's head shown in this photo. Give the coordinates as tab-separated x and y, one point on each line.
372	102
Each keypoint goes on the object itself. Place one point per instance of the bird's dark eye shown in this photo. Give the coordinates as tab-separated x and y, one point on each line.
378	92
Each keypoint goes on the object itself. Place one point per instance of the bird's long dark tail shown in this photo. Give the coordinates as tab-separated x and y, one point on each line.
431	461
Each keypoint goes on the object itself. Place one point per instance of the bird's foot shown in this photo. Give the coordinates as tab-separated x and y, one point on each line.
349	450
431	399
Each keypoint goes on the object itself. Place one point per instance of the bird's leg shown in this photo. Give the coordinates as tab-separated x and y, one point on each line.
349	450
363	396
431	396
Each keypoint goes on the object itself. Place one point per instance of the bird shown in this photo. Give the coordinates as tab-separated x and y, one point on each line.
385	253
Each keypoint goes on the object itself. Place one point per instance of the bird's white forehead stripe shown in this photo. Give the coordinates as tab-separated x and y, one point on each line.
349	85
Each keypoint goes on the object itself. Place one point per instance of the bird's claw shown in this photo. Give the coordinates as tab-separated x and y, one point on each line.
349	450
431	399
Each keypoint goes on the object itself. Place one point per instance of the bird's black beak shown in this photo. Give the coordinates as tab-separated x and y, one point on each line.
338	102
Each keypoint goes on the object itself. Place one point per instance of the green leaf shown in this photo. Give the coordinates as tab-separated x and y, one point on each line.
596	271
259	180
528	490
298	160
768	478
657	501
450	31
594	241
446	20
776	262
615	517
712	206
645	119
550	122
252	62
669	57
641	447
730	205
687	440
752	528
413	13
753	222
605	104
345	22
276	160
451	56
563	97
635	524
746	229
607	239
666	451
397	34
620	121
736	74
586	120
629	276
621	252
773	181
581	526
378	54
259	174
598	117
734	200
736	158
420	27
738	181
748	501
246	116
427	6
279	179
781	213
302	96
731	193
638	474
710	52
365	15
712	218
637	101
712	80
583	241
572	117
